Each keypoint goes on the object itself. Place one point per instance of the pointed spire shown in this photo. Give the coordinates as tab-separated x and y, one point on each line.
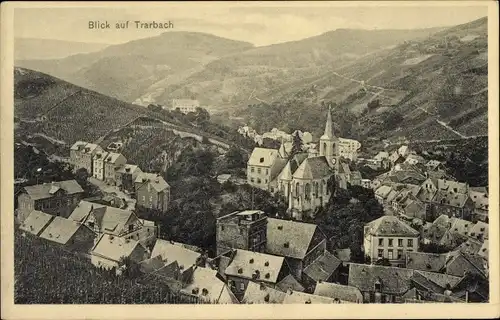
329	124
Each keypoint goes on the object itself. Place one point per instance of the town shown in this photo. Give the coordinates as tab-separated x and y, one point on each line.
428	242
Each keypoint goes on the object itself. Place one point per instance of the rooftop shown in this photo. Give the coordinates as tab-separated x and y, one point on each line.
390	226
337	291
114	248
323	267
155	180
263	157
170	252
61	230
289	238
260	293
48	190
36	222
255	265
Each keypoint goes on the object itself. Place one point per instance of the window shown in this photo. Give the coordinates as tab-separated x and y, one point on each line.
259	170
252	180
400	253
252	169
378	286
266	181
267	171
400	242
150	198
242	286
390	254
380	242
390	242
259	181
380	253
410	242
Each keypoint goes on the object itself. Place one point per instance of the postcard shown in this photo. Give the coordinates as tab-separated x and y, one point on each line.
204	160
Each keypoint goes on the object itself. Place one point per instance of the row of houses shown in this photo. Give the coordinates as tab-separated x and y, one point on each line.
150	190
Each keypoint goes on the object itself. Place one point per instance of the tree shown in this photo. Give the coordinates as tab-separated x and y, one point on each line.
297	145
234	158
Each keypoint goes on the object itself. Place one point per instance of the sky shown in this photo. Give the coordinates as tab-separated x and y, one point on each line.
257	23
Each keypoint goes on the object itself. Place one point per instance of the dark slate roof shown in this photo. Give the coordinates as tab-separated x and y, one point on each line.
151	264
390	226
313	168
256	293
338	291
290	283
36	222
297	235
323	267
47	190
393	280
425	261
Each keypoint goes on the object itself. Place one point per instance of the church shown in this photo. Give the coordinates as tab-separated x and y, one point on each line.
301	178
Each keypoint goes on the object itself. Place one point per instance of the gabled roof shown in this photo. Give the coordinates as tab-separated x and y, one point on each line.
313	168
151	264
245	263
263	157
112	220
479	231
289	283
36	222
61	230
425	261
434	282
155	180
129	168
115	248
83	209
383	191
450	185
175	252
78	145
393	280
112	157
205	285
390	226
471	246
457	200
46	190
293	297
289	238
260	293
433	164
452	263
323	267
338	291
286	173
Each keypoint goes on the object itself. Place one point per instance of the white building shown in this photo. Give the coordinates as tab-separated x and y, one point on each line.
348	148
390	238
185	105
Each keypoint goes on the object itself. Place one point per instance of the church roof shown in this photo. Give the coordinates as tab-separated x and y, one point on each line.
313	168
329	126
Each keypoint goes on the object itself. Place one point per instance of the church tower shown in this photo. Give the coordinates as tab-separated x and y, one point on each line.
328	144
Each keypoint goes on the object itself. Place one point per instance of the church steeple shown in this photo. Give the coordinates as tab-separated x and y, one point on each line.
329	125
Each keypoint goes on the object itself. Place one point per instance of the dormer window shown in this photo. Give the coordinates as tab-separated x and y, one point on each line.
286	244
204	291
240	270
267	275
378	286
266	264
261	160
280	227
251	260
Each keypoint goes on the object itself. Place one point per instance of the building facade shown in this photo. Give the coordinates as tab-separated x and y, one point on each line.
112	163
389	238
241	230
98	164
56	198
81	155
185	105
152	191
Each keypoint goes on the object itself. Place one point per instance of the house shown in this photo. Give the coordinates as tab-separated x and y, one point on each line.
263	166
81	155
339	292
396	158
152	191
435	165
348	148
293	297
414	159
300	243
289	283
382	192
455	263
380	284
36	222
446	197
126	175
185	105
382	155
245	266
259	293
56	198
69	234
241	230
207	286
110	251
98	164
447	232
112	163
323	269
366	183
481	203
169	252
113	221
404	151
389	238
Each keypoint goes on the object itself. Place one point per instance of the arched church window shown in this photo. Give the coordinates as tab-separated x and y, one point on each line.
297	189
307	191
316	189
324	147
321	187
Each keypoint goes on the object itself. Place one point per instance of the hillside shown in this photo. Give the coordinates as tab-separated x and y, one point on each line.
52	114
43	49
126	70
433	88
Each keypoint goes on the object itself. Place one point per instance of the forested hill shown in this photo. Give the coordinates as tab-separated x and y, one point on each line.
432	88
